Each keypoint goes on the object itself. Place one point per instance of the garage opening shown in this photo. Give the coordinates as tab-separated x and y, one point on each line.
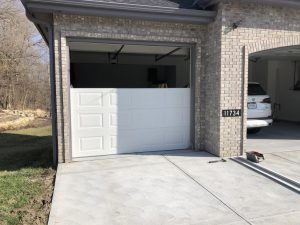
274	100
128	98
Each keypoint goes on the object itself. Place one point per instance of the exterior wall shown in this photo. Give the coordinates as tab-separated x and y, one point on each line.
119	29
210	88
262	27
221	63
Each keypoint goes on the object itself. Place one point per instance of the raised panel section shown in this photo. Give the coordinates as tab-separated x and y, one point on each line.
120	99
113	120
113	142
91	144
113	99
90	99
121	120
91	121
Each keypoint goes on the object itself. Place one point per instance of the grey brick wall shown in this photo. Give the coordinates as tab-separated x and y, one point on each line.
221	63
262	27
210	88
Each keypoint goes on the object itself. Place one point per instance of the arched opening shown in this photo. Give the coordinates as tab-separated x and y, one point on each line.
273	101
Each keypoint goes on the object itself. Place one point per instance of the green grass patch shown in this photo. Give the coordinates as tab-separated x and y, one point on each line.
25	176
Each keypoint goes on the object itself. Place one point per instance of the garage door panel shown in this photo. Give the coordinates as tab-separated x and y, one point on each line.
90	99
140	119
148	118
174	98
175	137
90	120
177	117
127	142
91	143
120	99
118	121
112	143
153	98
121	120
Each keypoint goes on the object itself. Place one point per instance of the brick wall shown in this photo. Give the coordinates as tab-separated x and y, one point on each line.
221	63
210	88
261	27
119	29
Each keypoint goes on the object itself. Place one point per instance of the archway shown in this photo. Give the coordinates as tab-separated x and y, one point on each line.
273	97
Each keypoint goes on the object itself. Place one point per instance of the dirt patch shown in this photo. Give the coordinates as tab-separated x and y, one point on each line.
38	210
26	175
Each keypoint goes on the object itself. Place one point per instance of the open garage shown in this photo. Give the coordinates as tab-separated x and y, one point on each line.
129	98
277	71
215	38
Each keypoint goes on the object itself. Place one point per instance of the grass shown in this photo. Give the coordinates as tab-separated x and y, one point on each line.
26	176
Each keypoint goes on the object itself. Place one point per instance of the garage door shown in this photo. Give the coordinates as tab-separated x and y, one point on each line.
116	121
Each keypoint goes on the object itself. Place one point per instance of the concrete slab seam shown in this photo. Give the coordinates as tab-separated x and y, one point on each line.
284	158
201	185
276	215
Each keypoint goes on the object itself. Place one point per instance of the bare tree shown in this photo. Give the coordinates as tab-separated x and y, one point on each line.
23	69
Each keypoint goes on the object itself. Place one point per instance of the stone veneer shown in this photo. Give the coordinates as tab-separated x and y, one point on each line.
221	63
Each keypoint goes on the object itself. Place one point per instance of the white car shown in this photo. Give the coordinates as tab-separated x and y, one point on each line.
259	108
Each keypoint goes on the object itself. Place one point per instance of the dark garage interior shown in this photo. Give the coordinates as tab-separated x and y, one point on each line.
129	66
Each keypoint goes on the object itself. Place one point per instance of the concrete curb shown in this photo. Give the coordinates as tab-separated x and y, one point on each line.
280	179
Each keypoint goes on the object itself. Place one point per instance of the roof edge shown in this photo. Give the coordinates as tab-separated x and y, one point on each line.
96	8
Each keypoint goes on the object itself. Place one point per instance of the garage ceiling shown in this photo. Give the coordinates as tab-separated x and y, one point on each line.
292	52
133	49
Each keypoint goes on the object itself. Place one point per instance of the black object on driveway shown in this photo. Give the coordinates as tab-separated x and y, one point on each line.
216	161
255	156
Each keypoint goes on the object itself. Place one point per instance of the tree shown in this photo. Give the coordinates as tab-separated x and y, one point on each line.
24	70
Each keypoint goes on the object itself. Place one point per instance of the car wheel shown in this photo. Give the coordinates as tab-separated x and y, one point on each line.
253	131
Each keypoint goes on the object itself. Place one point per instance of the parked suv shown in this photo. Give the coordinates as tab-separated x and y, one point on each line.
259	108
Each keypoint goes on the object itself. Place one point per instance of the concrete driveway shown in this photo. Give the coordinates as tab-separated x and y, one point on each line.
280	137
168	188
280	144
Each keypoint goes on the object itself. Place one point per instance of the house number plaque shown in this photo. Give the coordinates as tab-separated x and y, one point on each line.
232	113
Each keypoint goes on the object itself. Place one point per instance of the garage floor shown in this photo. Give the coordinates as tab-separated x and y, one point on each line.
280	137
280	144
168	188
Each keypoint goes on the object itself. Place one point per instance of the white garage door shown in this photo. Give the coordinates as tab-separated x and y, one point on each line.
115	121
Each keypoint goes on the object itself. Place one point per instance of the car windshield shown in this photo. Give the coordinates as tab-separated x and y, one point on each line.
255	89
